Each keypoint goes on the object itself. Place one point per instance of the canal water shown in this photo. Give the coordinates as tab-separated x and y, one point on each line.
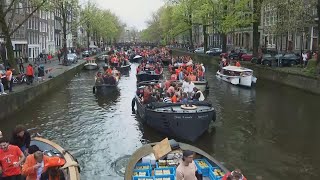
270	130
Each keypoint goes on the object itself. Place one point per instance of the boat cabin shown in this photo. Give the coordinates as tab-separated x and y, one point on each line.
236	71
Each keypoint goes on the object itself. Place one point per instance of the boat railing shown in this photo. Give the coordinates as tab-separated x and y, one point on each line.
155	105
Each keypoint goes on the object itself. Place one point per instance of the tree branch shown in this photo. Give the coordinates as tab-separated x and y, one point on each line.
9	7
38	7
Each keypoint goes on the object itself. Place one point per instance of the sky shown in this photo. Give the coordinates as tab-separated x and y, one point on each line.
134	13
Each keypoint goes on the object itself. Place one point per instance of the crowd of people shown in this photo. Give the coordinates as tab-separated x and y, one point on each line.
183	67
170	92
110	77
19	160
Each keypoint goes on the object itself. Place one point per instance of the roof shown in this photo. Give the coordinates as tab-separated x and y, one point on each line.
235	68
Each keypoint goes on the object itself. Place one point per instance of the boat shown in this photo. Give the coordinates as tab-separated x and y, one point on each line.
237	75
124	68
136	59
166	61
90	64
103	57
175	119
148	75
71	168
159	160
102	88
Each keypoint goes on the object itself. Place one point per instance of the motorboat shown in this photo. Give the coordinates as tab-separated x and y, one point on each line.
175	119
158	161
137	59
103	86
90	64
123	68
71	169
237	75
149	73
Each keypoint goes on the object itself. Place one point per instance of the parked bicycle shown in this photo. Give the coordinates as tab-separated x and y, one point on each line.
20	79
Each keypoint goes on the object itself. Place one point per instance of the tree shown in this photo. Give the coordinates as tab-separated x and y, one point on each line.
7	14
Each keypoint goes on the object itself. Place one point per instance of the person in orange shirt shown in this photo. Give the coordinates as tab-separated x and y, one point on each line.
109	70
9	79
174	99
30	74
234	175
11	157
189	69
238	64
37	164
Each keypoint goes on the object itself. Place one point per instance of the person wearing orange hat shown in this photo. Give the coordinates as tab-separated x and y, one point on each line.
36	164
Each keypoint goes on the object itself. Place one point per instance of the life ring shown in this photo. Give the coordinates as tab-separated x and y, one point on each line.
192	107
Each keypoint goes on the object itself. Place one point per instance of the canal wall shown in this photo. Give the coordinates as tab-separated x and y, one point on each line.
17	100
306	83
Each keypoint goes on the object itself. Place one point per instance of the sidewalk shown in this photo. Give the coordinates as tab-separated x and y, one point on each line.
52	68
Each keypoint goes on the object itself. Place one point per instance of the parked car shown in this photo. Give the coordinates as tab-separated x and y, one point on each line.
290	59
85	54
237	54
72	58
199	50
246	57
269	59
214	51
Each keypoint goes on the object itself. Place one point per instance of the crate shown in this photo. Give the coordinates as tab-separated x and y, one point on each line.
172	177
157	166
147	171
212	176
146	165
171	169
142	177
203	170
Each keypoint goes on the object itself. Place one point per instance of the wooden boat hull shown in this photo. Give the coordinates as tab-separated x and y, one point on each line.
71	167
147	149
173	121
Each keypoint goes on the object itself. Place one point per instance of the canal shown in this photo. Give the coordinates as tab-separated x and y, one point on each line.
269	130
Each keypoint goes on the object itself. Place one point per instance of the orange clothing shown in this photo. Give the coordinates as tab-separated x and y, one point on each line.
109	71
7	158
193	77
31	173
238	64
174	99
9	75
29	71
225	177
189	69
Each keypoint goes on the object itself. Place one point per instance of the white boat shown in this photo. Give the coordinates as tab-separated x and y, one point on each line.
237	75
91	64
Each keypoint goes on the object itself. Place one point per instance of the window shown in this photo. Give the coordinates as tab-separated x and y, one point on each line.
20	8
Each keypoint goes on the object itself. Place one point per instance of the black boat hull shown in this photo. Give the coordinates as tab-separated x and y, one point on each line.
122	69
105	89
148	77
183	125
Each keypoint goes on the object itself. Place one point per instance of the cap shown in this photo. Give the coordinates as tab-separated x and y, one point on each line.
56	161
187	153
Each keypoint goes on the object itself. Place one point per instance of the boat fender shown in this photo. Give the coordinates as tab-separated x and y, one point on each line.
94	90
189	107
133	104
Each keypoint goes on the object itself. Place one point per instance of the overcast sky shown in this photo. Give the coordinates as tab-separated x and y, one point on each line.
132	12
